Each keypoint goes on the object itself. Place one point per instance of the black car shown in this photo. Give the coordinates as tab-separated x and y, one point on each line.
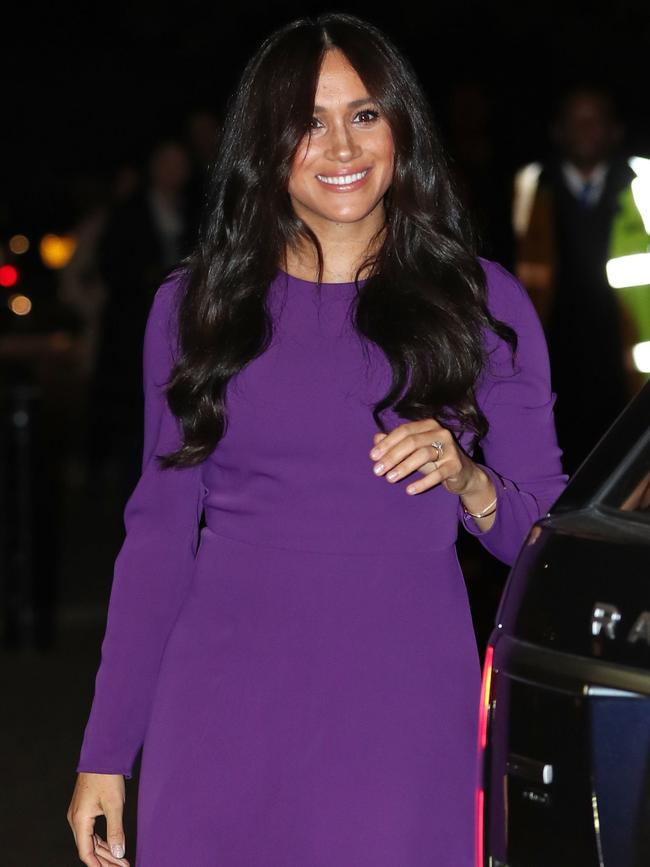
564	747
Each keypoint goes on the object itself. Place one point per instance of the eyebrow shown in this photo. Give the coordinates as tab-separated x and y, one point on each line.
354	104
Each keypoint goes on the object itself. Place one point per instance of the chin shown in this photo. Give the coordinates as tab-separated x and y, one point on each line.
338	211
350	214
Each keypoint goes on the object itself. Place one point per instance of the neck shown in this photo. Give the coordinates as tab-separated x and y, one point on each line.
586	168
168	196
345	247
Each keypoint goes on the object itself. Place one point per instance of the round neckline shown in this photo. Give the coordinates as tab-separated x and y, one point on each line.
284	273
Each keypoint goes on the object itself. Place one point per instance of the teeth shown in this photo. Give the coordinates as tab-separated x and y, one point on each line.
340	180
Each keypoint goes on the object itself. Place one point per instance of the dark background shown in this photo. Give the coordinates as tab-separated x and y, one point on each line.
84	89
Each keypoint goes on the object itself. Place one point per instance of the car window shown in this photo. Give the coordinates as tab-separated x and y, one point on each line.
638	500
631	492
615	474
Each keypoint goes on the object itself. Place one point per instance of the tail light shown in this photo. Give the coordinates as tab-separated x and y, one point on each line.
484	710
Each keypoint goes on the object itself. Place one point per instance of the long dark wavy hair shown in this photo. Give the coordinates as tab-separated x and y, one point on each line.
423	301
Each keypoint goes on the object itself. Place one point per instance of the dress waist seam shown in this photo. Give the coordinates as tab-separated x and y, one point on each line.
256	543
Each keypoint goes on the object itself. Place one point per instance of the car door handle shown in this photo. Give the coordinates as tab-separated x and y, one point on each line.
529	769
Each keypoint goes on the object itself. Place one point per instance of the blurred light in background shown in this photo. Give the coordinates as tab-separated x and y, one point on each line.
641	192
633	270
19	244
8	276
19	304
525	189
57	250
641	356
639	165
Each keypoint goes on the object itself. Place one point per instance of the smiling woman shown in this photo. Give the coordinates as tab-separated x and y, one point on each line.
349	150
301	671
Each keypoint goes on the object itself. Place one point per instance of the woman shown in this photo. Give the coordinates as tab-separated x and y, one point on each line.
302	671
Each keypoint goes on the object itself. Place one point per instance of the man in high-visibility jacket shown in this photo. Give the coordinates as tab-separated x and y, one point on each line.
562	250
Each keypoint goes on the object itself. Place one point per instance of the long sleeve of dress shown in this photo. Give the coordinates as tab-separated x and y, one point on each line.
522	455
152	570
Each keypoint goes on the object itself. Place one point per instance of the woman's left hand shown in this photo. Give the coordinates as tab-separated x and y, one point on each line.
408	447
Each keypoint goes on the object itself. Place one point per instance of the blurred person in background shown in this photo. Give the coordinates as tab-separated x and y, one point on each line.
202	130
561	258
144	237
202	136
481	167
80	282
82	289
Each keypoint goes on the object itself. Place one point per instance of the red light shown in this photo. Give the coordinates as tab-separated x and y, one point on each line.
484	708
8	276
485	696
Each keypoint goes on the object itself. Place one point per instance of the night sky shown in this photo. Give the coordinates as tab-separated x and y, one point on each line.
84	90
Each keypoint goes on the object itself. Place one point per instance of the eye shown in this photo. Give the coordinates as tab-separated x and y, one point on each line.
314	123
366	115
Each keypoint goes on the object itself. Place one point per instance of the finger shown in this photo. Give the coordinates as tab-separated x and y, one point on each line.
103	851
443	471
414	443
403	430
418	460
83	835
114	830
431	480
105	859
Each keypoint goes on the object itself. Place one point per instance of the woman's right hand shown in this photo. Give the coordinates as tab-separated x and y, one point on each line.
98	795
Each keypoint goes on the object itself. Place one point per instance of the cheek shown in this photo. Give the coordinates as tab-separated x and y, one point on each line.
296	179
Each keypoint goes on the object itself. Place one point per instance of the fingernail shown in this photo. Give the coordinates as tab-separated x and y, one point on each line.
378	468
392	475
117	851
375	453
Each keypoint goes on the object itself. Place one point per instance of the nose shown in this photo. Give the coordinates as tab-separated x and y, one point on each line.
342	146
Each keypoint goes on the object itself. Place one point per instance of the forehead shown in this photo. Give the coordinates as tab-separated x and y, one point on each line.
338	81
587	105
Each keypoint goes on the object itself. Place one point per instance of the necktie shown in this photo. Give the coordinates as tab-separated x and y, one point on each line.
585	194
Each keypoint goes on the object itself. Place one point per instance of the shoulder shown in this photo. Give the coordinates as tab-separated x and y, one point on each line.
167	298
507	298
161	334
620	172
509	302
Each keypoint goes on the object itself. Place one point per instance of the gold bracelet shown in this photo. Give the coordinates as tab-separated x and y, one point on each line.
484	512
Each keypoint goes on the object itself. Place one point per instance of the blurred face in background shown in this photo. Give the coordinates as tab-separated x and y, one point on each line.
587	131
202	134
169	169
343	169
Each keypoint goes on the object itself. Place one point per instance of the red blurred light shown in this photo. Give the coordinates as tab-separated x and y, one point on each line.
8	276
484	712
485	696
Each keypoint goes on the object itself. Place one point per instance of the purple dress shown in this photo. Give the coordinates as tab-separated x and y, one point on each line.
302	672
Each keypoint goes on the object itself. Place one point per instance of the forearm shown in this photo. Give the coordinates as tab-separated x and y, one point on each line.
150	583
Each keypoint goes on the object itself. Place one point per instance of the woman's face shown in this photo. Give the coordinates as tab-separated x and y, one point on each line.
341	172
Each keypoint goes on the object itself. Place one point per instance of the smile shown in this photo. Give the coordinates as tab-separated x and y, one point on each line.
343	180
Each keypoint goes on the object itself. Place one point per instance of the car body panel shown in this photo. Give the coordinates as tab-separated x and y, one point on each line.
566	767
